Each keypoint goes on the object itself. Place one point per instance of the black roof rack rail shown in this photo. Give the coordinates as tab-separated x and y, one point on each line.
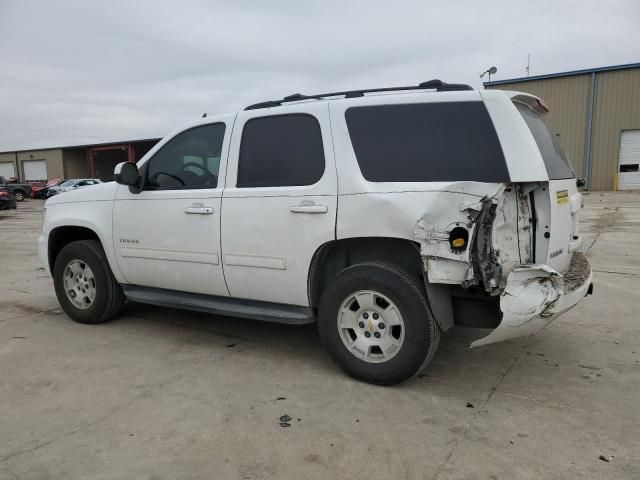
435	84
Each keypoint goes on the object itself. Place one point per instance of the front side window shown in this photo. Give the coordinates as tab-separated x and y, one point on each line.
426	142
282	150
189	160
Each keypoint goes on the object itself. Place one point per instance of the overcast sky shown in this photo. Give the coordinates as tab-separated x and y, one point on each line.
82	71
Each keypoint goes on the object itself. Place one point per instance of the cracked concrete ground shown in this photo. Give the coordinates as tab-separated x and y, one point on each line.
164	394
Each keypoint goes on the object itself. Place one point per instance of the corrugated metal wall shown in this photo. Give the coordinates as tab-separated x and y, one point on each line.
616	108
76	163
53	159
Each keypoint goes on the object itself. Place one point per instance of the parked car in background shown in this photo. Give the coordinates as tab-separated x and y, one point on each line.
7	197
41	190
71	184
20	190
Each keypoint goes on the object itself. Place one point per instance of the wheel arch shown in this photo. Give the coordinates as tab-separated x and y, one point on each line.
336	255
333	257
63	235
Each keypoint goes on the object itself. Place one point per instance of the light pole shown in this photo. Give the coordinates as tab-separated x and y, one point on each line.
490	71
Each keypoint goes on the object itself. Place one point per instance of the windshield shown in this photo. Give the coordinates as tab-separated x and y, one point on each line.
556	161
68	183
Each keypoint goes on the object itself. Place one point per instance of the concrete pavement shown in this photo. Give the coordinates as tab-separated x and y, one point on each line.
165	394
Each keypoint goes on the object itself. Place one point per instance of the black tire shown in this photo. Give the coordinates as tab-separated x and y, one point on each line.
407	292
19	195
109	298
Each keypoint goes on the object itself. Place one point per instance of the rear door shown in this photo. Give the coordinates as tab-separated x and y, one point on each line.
279	205
560	227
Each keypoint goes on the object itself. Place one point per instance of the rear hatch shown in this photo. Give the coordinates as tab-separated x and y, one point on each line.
558	203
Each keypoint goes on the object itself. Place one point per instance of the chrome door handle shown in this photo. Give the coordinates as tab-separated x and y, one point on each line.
308	207
198	210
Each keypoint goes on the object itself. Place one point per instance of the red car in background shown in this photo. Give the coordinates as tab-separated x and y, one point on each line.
39	189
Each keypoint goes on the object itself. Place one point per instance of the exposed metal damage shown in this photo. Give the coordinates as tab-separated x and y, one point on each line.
480	262
498	256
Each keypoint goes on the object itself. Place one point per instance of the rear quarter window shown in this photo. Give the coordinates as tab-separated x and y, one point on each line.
555	160
426	142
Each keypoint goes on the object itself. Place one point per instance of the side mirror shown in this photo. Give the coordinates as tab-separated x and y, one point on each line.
126	173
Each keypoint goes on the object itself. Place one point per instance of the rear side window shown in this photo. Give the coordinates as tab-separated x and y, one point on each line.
555	160
426	142
281	150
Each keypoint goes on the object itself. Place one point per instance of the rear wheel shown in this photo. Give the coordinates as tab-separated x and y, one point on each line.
375	323
19	195
84	284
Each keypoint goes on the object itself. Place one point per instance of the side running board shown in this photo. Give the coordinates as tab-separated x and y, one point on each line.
231	307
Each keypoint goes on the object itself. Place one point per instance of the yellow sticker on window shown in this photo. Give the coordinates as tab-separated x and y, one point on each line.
563	197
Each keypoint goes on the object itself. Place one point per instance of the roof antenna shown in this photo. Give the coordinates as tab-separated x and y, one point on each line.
204	115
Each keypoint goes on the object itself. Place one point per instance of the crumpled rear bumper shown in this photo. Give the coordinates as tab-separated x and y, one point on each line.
536	295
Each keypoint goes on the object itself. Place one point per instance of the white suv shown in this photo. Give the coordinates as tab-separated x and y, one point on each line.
386	216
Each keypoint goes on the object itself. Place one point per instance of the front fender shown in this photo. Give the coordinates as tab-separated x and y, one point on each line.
95	216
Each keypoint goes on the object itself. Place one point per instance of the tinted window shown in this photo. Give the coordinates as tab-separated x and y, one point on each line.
189	160
426	142
283	150
558	166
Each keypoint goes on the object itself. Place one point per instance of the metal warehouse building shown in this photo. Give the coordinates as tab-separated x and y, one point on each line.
596	115
78	161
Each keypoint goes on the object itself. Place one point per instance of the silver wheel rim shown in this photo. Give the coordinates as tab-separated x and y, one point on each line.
79	284
371	326
19	196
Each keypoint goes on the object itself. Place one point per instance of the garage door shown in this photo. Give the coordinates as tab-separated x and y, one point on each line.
35	170
7	170
629	165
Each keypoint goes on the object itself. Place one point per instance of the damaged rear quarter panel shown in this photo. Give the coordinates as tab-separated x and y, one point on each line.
489	213
429	215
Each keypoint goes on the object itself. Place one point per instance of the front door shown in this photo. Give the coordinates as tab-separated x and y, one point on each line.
168	235
279	204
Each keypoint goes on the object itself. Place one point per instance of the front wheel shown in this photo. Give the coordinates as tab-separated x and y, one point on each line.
18	195
84	284
375	322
